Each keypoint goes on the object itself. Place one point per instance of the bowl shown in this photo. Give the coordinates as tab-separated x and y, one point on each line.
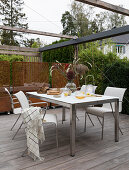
80	95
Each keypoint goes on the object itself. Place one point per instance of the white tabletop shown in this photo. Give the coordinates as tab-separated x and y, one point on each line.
72	99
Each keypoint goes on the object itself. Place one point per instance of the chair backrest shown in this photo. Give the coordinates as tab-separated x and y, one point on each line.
11	99
22	100
116	92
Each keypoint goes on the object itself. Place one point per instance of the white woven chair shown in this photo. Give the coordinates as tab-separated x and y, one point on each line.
16	111
52	118
84	88
107	108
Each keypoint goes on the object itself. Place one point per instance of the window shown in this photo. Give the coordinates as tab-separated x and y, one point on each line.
120	49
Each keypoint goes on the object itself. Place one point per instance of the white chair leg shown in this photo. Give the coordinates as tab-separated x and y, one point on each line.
24	152
99	121
90	119
17	130
63	114
77	118
15	122
85	122
57	142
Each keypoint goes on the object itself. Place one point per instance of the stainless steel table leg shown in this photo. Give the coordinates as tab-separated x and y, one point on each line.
117	121
63	114
72	129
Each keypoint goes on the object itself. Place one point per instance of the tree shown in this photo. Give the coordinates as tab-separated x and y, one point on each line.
68	24
76	22
98	23
37	43
34	43
81	18
106	21
28	42
82	21
11	10
115	20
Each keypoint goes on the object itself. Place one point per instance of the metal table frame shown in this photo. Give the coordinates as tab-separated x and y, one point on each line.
72	107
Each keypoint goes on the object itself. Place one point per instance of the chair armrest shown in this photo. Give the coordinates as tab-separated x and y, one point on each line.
38	103
14	98
15	102
30	102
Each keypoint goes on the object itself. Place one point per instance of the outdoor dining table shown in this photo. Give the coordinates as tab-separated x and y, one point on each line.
72	102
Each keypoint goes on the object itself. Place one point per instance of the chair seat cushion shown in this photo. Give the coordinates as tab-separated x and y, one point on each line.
17	110
98	111
50	118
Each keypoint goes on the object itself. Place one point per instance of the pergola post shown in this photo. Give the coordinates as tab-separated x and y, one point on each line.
40	57
76	52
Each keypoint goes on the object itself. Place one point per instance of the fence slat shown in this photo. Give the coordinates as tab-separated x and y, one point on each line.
15	48
19	53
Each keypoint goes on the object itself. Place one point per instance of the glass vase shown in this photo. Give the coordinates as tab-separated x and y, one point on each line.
71	86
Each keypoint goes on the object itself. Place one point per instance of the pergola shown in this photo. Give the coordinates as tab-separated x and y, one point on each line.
98	36
36	52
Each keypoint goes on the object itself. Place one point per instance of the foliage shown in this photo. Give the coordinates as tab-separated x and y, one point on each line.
11	58
33	43
82	21
68	24
117	75
98	61
76	21
108	70
63	55
115	20
11	10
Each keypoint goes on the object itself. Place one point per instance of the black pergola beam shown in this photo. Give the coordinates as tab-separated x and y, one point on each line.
98	36
107	6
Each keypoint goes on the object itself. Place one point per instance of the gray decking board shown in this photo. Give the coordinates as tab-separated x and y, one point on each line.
91	151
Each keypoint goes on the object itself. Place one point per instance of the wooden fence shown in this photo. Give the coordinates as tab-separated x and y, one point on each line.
5	104
30	54
26	76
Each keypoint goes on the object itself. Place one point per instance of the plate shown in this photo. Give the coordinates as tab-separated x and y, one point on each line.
80	97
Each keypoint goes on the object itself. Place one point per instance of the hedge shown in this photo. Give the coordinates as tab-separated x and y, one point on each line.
98	60
63	55
117	75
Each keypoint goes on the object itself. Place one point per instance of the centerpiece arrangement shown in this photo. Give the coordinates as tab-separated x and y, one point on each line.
70	72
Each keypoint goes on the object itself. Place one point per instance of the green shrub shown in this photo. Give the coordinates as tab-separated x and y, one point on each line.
63	55
98	60
117	75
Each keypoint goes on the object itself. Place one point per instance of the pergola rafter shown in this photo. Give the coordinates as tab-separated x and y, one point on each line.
36	32
25	51
107	6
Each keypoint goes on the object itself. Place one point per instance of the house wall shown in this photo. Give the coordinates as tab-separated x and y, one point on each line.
125	53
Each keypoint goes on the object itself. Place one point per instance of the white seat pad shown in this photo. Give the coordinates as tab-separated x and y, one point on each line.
98	111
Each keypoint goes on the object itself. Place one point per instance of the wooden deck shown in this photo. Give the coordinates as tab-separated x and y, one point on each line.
91	151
